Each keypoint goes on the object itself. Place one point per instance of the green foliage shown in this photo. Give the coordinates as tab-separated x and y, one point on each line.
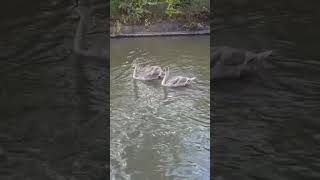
140	11
114	8
172	7
188	7
133	10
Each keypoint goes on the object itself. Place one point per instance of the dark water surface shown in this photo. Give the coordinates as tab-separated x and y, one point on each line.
268	127
53	112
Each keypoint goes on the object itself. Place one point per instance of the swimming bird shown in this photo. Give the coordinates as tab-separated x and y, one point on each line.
147	72
231	63
177	81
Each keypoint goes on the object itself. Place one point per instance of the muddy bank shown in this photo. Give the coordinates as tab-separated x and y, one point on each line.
160	29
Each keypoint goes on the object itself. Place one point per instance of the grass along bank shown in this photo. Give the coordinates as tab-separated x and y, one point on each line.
145	15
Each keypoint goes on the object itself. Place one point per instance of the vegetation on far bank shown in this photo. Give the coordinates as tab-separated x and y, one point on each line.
150	11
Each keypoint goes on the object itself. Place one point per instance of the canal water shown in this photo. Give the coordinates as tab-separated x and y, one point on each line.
160	132
267	127
52	101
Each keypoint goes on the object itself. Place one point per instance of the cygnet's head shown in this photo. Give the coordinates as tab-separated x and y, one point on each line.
163	72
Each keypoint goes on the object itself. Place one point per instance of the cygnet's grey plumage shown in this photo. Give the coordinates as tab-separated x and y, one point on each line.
146	72
231	63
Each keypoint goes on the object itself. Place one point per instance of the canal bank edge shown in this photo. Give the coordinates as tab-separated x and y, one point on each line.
159	29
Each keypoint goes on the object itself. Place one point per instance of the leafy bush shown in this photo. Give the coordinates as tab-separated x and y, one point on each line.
137	11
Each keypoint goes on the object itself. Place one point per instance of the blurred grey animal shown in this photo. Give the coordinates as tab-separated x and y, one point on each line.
146	72
231	63
176	81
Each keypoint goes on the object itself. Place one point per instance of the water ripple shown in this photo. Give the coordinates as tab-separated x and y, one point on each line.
160	132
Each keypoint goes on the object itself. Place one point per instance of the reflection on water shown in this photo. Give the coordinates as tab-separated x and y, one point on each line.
159	132
267	127
49	130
